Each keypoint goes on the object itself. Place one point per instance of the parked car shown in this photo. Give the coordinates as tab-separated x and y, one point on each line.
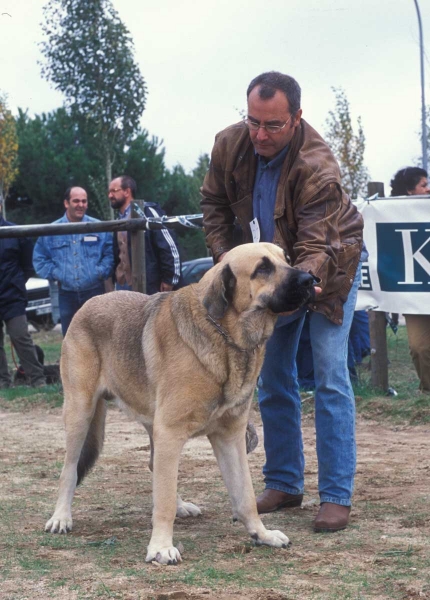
41	310
193	270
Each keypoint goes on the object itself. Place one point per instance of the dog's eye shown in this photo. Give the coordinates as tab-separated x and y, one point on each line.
264	268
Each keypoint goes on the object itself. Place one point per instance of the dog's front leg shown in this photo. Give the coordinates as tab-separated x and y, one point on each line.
167	450
230	452
183	509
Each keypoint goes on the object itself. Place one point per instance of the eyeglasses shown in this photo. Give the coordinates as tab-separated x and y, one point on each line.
254	126
115	190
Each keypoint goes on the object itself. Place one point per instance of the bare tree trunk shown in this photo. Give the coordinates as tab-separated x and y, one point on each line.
2	201
108	168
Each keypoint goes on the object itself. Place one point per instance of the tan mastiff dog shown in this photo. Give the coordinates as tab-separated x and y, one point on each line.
184	364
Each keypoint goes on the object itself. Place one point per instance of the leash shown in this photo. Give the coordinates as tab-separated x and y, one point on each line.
12	351
227	337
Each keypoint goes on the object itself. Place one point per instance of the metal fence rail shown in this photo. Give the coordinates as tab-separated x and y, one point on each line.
179	223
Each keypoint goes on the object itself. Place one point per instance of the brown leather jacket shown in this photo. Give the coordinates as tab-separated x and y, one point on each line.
315	221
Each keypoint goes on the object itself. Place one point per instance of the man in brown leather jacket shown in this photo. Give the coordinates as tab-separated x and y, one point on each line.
275	177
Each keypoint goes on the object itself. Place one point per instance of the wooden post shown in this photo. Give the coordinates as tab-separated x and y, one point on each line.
375	187
378	325
138	257
378	350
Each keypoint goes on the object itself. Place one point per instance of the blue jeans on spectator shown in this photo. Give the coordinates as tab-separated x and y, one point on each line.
70	302
123	287
280	406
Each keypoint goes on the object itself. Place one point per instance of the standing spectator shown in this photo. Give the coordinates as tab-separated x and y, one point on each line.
413	181
15	268
163	264
78	262
278	177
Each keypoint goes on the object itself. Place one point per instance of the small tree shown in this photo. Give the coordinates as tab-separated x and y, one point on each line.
89	57
347	146
8	151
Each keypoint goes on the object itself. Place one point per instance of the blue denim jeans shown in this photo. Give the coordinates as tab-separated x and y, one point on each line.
280	407
70	302
123	287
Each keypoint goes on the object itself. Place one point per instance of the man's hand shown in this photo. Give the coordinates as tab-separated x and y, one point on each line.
166	287
317	289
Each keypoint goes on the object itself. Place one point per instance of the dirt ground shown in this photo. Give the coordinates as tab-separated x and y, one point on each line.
385	553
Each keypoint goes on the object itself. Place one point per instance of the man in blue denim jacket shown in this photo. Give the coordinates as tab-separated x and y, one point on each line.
79	262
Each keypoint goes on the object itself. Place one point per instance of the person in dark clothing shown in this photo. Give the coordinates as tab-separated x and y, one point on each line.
163	264
16	267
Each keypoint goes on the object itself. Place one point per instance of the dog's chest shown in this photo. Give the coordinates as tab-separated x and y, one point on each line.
241	381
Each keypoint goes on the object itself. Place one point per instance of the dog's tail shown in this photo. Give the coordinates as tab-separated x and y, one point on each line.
94	441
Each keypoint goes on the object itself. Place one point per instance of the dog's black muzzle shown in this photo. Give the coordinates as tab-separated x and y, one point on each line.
297	290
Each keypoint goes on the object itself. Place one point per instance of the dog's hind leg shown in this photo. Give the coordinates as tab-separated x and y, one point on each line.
183	509
230	452
84	422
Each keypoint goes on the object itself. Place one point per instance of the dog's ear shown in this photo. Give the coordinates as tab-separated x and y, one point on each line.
220	293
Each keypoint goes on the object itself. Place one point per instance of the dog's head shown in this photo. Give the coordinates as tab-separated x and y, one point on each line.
256	277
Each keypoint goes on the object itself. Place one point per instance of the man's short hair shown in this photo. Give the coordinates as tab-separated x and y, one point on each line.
271	82
128	183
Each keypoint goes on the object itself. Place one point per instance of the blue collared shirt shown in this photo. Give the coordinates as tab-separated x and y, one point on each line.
264	194
264	200
77	261
125	214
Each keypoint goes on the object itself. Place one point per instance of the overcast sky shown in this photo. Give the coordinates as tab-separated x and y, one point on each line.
198	57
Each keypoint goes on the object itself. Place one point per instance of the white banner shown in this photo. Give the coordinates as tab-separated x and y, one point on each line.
396	277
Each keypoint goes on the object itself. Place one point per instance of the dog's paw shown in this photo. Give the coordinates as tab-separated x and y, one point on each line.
187	509
165	556
273	538
59	524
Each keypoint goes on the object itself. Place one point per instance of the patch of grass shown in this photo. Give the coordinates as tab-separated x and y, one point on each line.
58	583
38	565
21	397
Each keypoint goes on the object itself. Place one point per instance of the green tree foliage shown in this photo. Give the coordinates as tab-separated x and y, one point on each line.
144	161
53	155
347	146
183	198
90	58
8	150
198	174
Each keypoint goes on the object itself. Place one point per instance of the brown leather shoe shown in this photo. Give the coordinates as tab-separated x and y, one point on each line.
271	500
331	517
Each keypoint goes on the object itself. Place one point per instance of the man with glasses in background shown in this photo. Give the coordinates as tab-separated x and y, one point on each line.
79	262
275	177
163	263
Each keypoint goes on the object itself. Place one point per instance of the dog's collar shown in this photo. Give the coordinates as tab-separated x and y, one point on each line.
228	339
